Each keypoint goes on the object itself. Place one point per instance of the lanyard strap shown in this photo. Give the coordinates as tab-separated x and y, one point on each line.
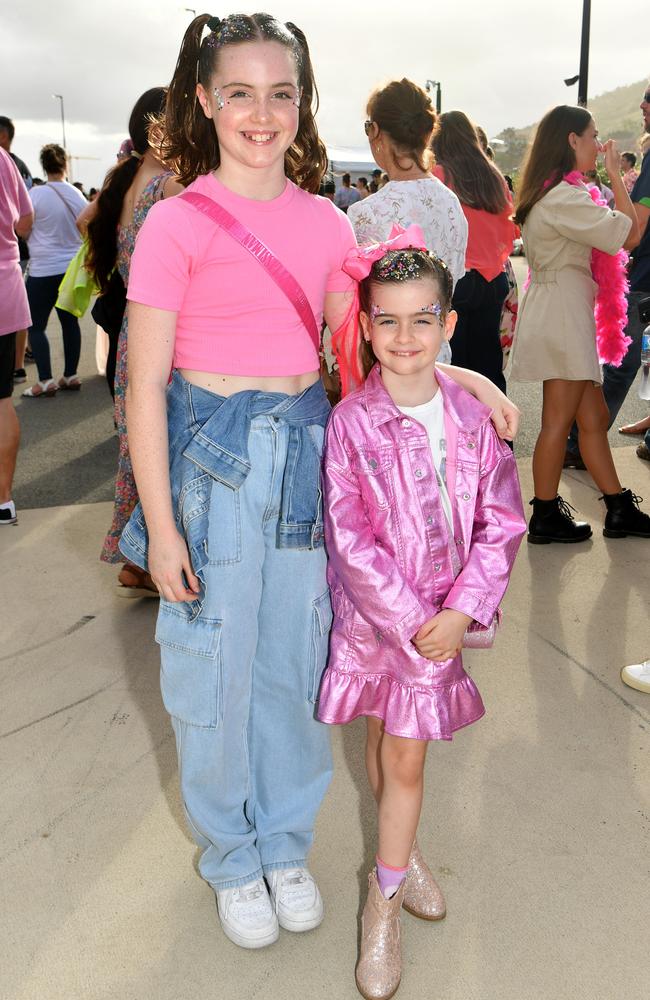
265	257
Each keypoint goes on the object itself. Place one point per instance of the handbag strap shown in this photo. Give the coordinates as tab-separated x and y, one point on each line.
265	257
69	207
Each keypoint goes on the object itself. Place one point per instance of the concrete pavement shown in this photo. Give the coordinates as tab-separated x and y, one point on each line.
536	819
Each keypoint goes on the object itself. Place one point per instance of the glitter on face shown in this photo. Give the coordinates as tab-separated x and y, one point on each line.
221	102
434	308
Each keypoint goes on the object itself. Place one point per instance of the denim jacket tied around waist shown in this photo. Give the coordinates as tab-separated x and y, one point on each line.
208	440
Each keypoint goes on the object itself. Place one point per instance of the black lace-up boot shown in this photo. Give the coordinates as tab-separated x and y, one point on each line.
624	517
552	522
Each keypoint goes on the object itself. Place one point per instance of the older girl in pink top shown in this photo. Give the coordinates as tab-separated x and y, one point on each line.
226	457
423	519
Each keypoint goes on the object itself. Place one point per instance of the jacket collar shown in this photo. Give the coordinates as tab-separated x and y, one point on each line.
465	411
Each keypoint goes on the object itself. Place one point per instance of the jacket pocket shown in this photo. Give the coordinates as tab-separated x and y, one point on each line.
191	677
373	468
321	623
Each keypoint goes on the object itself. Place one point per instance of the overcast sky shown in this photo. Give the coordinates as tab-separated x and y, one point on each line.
501	62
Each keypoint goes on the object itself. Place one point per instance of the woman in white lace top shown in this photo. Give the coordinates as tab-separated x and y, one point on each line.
399	127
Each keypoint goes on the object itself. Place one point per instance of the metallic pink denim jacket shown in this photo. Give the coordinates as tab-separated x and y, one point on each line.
387	542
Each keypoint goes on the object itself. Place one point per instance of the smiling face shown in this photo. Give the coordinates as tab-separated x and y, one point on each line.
405	326
586	147
253	99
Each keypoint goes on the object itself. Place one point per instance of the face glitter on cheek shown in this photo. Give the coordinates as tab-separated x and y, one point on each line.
376	311
221	102
297	99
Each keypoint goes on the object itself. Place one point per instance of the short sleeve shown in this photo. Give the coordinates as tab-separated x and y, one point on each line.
25	206
641	190
344	241
162	261
578	218
367	227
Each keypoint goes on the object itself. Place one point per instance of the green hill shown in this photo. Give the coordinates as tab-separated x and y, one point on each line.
617	116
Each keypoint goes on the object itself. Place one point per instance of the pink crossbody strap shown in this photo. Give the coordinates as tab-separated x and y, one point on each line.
265	257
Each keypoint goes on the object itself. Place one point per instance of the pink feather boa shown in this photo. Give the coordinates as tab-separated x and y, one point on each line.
609	273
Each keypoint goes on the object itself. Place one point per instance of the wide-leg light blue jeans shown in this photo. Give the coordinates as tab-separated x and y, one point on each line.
241	682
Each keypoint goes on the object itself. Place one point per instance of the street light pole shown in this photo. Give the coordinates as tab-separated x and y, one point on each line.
438	86
584	53
59	97
582	77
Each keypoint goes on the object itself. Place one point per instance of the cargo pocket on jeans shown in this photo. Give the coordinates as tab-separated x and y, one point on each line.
321	623
191	676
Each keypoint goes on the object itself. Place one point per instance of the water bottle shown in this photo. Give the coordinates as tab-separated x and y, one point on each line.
644	316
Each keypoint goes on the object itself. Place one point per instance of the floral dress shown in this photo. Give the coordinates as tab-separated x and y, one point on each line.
126	494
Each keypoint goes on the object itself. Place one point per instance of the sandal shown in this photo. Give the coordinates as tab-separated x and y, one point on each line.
135	582
640	427
46	388
72	383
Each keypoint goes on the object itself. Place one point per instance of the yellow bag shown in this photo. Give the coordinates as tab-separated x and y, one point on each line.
77	286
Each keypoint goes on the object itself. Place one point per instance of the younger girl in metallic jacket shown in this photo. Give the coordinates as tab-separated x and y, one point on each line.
423	519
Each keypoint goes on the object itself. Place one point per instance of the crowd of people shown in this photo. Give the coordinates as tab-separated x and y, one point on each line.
364	547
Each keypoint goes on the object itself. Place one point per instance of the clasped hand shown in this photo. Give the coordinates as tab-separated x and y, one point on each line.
441	637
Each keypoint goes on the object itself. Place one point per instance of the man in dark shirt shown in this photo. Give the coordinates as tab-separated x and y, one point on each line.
617	381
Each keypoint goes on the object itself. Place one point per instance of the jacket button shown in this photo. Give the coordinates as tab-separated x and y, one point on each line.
437	567
466	496
429	519
470	444
372	463
459	541
419	473
406	423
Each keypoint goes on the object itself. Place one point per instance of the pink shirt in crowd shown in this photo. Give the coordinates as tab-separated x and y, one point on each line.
14	203
232	317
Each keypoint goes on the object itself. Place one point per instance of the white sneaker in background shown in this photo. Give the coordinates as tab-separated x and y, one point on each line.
247	916
295	898
637	676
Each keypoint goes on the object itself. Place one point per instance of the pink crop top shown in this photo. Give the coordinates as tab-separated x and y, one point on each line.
232	317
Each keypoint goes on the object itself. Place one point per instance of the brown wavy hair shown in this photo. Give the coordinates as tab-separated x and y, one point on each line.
102	229
186	139
549	156
468	170
404	112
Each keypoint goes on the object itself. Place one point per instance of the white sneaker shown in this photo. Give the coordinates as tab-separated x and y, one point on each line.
637	676
295	898
247	916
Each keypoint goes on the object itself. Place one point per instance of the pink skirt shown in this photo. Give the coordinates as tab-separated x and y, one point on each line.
416	698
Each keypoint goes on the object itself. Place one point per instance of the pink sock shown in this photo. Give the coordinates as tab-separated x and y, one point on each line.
389	878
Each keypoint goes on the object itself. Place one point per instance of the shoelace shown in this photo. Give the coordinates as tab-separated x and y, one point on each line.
253	898
565	508
294	883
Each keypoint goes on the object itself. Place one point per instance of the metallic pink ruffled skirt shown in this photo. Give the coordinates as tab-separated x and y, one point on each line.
417	698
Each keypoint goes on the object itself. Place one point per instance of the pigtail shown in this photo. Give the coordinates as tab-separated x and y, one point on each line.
183	137
306	159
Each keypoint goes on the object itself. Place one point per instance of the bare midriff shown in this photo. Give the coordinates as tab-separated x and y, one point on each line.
228	385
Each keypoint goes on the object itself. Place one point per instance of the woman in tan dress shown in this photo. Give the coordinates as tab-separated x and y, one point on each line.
555	340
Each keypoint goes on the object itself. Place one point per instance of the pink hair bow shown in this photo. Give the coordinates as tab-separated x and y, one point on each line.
359	261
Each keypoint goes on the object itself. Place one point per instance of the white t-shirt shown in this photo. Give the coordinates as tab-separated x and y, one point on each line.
55	239
428	203
432	417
